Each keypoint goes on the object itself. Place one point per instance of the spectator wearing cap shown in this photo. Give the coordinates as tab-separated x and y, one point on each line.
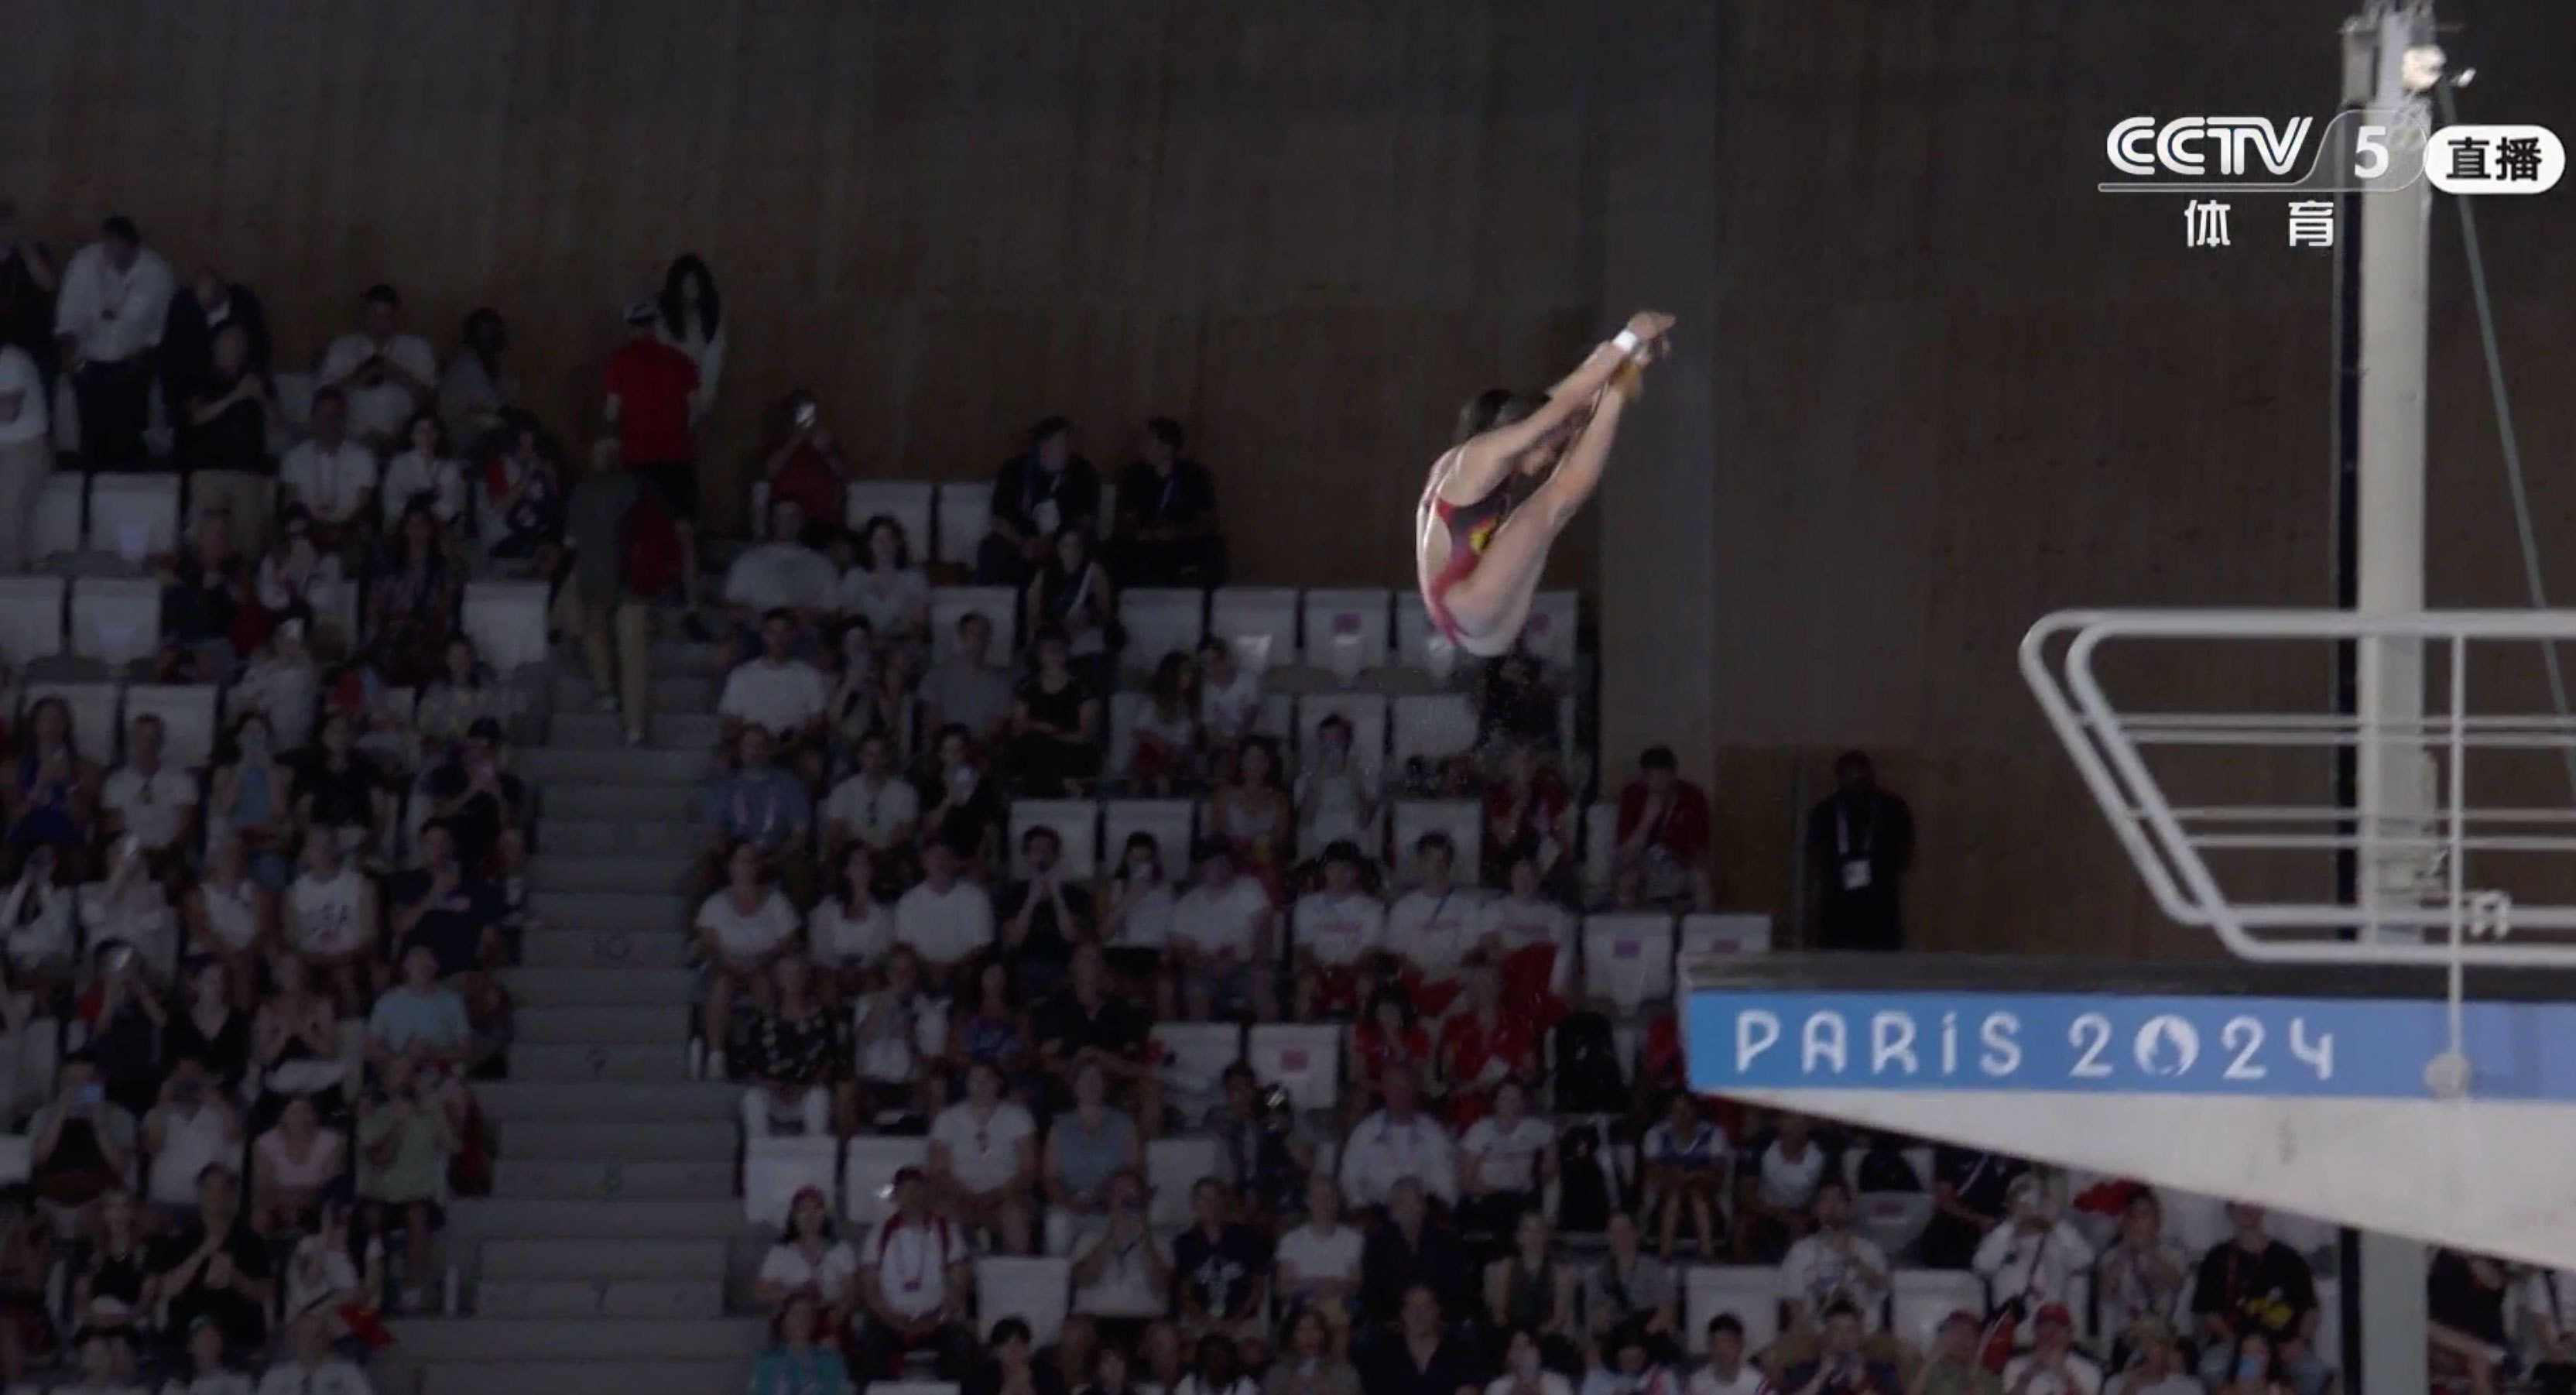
386	374
1955	1366
2033	1258
1726	1372
810	1258
1044	488
1432	928
1842	1363
109	313
214	1265
315	1368
763	805
332	477
1339	936
1664	836
106	1362
2052	1366
915	1287
1223	944
206	1369
1167	531
651	395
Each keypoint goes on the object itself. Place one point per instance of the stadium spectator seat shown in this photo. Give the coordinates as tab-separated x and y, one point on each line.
868	1167
96	730
1171	821
54	525
1551	631
965	517
1346	632
1036	1291
507	622
187	713
1305	1057
1922	1297
31	618
774	1170
116	619
1751	1292
1432	727
1196	1055
1077	829
1172	1167
1628	957
1259	621
907	502
15	1161
1420	650
1159	621
1462	821
134	517
1726	934
1600	848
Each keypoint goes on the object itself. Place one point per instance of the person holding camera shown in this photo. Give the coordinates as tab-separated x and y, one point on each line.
1122	1276
83	1144
808	465
1267	1144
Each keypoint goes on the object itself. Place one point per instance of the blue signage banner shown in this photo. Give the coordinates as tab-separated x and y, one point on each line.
2111	1044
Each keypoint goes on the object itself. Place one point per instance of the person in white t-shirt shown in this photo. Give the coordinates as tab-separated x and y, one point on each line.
26	452
780	694
1505	1161
886	589
946	919
810	1259
1338	795
741	930
1318	1263
329	915
1396	1142
1432	928
984	1156
2035	1255
875	807
780	574
386	374
428	472
2053	1366
1786	1174
332	476
1528	922
1835	1264
1727	1372
1223	943
1339	934
147	798
915	1284
849	930
1229	697
1121	1269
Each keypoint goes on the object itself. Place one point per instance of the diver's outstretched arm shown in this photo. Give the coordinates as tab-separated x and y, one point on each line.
1485	459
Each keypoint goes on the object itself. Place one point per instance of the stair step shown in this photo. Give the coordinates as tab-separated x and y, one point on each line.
637	766
587	801
679	1141
547	948
513	1340
658	1299
603	1100
602	1026
686	695
604	1220
600	988
621	838
601	731
657	912
542	1064
631	873
684	656
559	1377
612	1179
593	1259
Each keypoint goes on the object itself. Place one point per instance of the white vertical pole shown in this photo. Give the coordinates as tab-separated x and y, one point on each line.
2393	790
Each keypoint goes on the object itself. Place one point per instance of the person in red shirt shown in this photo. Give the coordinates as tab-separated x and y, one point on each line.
1482	1047
1390	1035
652	402
809	468
1530	813
1663	836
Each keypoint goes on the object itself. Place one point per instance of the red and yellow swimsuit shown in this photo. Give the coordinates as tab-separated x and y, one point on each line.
1471	528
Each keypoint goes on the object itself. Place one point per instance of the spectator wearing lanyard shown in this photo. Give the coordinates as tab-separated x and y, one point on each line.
1862	841
1432	927
1397	1142
1047	488
108	318
1167	524
764	805
333	477
1663	845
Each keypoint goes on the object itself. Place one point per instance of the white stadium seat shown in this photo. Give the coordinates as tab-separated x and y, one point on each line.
1196	1055
1367	714
31	618
774	1170
1259	621
134	517
116	619
907	502
1036	1291
868	1168
1077	827
1550	631
1433	726
1925	1296
2198	1221
1750	1291
1160	620
54	524
1894	1220
1628	958
1714	933
1600	846
999	605
93	707
1462	820
1169	820
965	516
1346	632
1278	721
187	713
1418	646
1172	1167
1124	708
1304	1057
507	622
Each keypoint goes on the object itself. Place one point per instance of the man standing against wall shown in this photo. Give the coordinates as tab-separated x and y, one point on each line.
1861	840
652	392
115	299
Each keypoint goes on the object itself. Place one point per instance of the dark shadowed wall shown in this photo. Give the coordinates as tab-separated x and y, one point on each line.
1961	389
1308	230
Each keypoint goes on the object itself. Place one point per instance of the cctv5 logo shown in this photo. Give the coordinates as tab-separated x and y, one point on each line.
2185	145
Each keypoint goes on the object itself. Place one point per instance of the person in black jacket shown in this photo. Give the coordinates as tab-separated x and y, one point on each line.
1046	488
1409	1252
188	333
1861	840
1167	526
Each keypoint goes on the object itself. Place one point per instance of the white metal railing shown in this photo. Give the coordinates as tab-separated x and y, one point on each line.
2446	920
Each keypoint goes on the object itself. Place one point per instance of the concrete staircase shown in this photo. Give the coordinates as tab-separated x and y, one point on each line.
602	1259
